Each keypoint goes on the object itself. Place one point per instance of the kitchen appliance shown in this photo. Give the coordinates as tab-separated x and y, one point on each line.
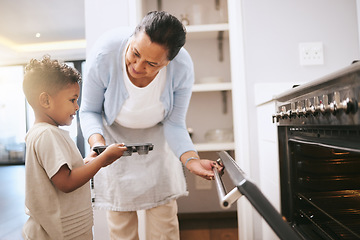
244	187
318	127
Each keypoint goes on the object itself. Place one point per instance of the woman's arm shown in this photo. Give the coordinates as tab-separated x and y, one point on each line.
200	167
96	140
175	124
181	73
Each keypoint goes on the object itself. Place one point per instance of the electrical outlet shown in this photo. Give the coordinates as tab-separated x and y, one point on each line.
311	53
202	184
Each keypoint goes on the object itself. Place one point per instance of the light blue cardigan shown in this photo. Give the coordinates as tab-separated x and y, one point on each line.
104	91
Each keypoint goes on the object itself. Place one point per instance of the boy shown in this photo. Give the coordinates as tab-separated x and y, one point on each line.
58	199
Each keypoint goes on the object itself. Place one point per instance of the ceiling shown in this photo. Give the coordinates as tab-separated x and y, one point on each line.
61	25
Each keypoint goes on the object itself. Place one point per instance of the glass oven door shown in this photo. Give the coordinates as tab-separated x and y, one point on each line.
321	194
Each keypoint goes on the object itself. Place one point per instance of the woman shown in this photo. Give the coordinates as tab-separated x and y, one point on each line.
137	89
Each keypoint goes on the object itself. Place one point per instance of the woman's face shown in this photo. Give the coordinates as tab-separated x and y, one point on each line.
143	58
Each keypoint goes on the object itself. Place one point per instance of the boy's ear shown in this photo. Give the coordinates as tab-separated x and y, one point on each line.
44	99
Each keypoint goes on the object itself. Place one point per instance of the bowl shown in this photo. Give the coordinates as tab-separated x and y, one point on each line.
219	135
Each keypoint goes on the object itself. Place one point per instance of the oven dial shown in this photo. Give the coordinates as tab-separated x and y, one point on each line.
324	105
276	117
336	104
309	108
332	107
306	108
316	105
350	105
292	110
300	110
283	112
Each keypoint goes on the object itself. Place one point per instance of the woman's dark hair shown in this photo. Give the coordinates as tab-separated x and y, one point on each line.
164	29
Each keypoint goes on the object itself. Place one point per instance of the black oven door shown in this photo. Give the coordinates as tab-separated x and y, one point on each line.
320	180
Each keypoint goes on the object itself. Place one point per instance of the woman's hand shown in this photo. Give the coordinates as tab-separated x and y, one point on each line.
203	168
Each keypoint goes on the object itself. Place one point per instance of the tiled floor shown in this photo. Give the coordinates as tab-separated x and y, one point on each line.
12	197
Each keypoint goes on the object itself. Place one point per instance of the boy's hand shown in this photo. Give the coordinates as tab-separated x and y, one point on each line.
113	152
67	180
90	157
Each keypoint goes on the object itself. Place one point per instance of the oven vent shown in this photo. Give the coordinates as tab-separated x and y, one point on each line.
327	132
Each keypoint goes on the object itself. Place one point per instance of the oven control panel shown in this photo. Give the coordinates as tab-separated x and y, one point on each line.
331	100
336	107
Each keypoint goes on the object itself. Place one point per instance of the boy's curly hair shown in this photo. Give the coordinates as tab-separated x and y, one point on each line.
47	75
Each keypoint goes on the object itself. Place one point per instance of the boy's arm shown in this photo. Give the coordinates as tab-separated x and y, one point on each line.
67	180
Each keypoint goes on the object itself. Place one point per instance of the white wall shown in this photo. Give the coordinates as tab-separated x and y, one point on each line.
101	16
272	31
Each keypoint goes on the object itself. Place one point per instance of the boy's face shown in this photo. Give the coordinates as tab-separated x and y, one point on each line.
63	105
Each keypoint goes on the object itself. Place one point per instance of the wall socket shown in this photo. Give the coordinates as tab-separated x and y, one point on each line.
311	53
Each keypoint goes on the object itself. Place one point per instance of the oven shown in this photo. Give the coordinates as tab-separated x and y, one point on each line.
318	127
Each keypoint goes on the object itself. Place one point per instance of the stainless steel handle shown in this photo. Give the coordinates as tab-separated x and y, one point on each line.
225	199
255	197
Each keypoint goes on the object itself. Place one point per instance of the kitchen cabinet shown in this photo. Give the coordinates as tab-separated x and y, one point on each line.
208	44
268	147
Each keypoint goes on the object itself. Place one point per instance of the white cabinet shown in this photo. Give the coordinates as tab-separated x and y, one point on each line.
208	44
268	147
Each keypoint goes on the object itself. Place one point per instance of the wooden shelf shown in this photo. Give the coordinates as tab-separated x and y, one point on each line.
209	87
207	31
208	147
207	28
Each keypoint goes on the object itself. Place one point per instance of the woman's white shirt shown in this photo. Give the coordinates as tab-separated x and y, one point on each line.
143	108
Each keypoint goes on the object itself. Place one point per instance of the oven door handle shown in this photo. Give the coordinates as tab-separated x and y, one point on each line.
225	199
246	188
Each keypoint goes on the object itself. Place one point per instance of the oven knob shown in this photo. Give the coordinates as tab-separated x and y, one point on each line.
309	108
336	104
300	111
324	106
292	110
276	117
289	113
332	107
350	105
345	105
316	105
283	112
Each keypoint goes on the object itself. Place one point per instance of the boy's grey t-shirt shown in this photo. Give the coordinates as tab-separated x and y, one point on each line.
54	214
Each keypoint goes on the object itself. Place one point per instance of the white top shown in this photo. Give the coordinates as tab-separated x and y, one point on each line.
143	108
53	213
